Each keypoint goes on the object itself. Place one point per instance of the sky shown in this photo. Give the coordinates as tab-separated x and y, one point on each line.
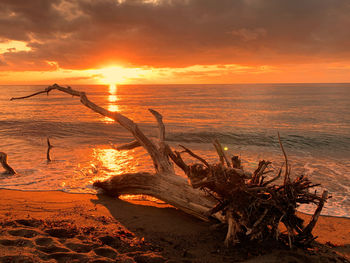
174	41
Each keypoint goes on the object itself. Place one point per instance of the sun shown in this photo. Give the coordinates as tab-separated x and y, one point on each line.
113	75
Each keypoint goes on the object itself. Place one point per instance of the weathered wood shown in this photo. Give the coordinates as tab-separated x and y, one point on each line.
164	184
4	163
221	153
126	146
49	147
286	172
161	126
252	207
171	189
308	229
195	156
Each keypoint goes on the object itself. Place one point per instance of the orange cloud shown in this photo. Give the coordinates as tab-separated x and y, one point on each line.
86	34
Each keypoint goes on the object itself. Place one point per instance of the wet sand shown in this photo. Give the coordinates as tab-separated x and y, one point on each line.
60	227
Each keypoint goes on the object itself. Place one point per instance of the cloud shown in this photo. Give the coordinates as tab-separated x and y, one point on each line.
249	34
84	34
2	63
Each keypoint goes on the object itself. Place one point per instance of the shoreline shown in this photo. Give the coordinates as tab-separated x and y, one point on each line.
150	203
152	231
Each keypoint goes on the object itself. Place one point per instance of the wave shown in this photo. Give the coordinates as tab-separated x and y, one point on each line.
91	131
58	129
296	141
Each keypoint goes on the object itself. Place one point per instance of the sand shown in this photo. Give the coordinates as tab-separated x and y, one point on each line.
60	227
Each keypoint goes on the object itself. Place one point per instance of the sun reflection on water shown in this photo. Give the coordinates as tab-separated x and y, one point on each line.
112	88
112	98
112	101
110	162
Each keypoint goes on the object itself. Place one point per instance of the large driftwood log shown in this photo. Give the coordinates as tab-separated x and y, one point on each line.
164	183
251	207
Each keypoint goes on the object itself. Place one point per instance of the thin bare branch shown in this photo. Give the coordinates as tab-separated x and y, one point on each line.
49	147
275	178
195	156
4	163
161	126
221	153
286	172
126	146
177	159
260	171
308	229
31	95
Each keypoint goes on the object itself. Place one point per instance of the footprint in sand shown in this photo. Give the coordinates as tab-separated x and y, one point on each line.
52	249
62	232
21	242
17	258
69	257
29	222
28	233
78	247
111	241
106	252
59	241
44	241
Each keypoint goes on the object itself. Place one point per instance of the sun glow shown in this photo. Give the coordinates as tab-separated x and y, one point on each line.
119	75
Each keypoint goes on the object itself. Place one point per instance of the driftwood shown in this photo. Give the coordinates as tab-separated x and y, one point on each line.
7	167
164	184
254	208
49	147
251	206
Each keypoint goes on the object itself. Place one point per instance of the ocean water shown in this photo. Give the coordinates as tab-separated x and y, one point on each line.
313	120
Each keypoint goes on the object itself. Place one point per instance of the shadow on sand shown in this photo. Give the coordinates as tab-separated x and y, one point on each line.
183	238
179	235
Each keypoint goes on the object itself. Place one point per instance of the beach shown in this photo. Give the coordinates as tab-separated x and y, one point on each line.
53	226
165	131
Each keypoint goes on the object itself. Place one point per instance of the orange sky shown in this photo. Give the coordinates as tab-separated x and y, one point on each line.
174	41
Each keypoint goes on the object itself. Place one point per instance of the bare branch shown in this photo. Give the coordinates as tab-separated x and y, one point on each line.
161	126
31	95
49	147
259	171
7	167
195	156
308	229
126	146
221	153
275	178
285	158
177	159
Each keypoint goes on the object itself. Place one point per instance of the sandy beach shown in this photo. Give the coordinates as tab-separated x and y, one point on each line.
60	227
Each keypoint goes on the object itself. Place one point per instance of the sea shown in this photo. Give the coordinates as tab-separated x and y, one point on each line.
313	121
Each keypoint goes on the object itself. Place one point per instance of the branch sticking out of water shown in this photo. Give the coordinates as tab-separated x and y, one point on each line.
49	147
7	167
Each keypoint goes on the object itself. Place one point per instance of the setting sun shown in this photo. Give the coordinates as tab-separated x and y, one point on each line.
119	75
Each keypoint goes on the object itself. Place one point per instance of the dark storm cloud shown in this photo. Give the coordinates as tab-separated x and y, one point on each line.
175	33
